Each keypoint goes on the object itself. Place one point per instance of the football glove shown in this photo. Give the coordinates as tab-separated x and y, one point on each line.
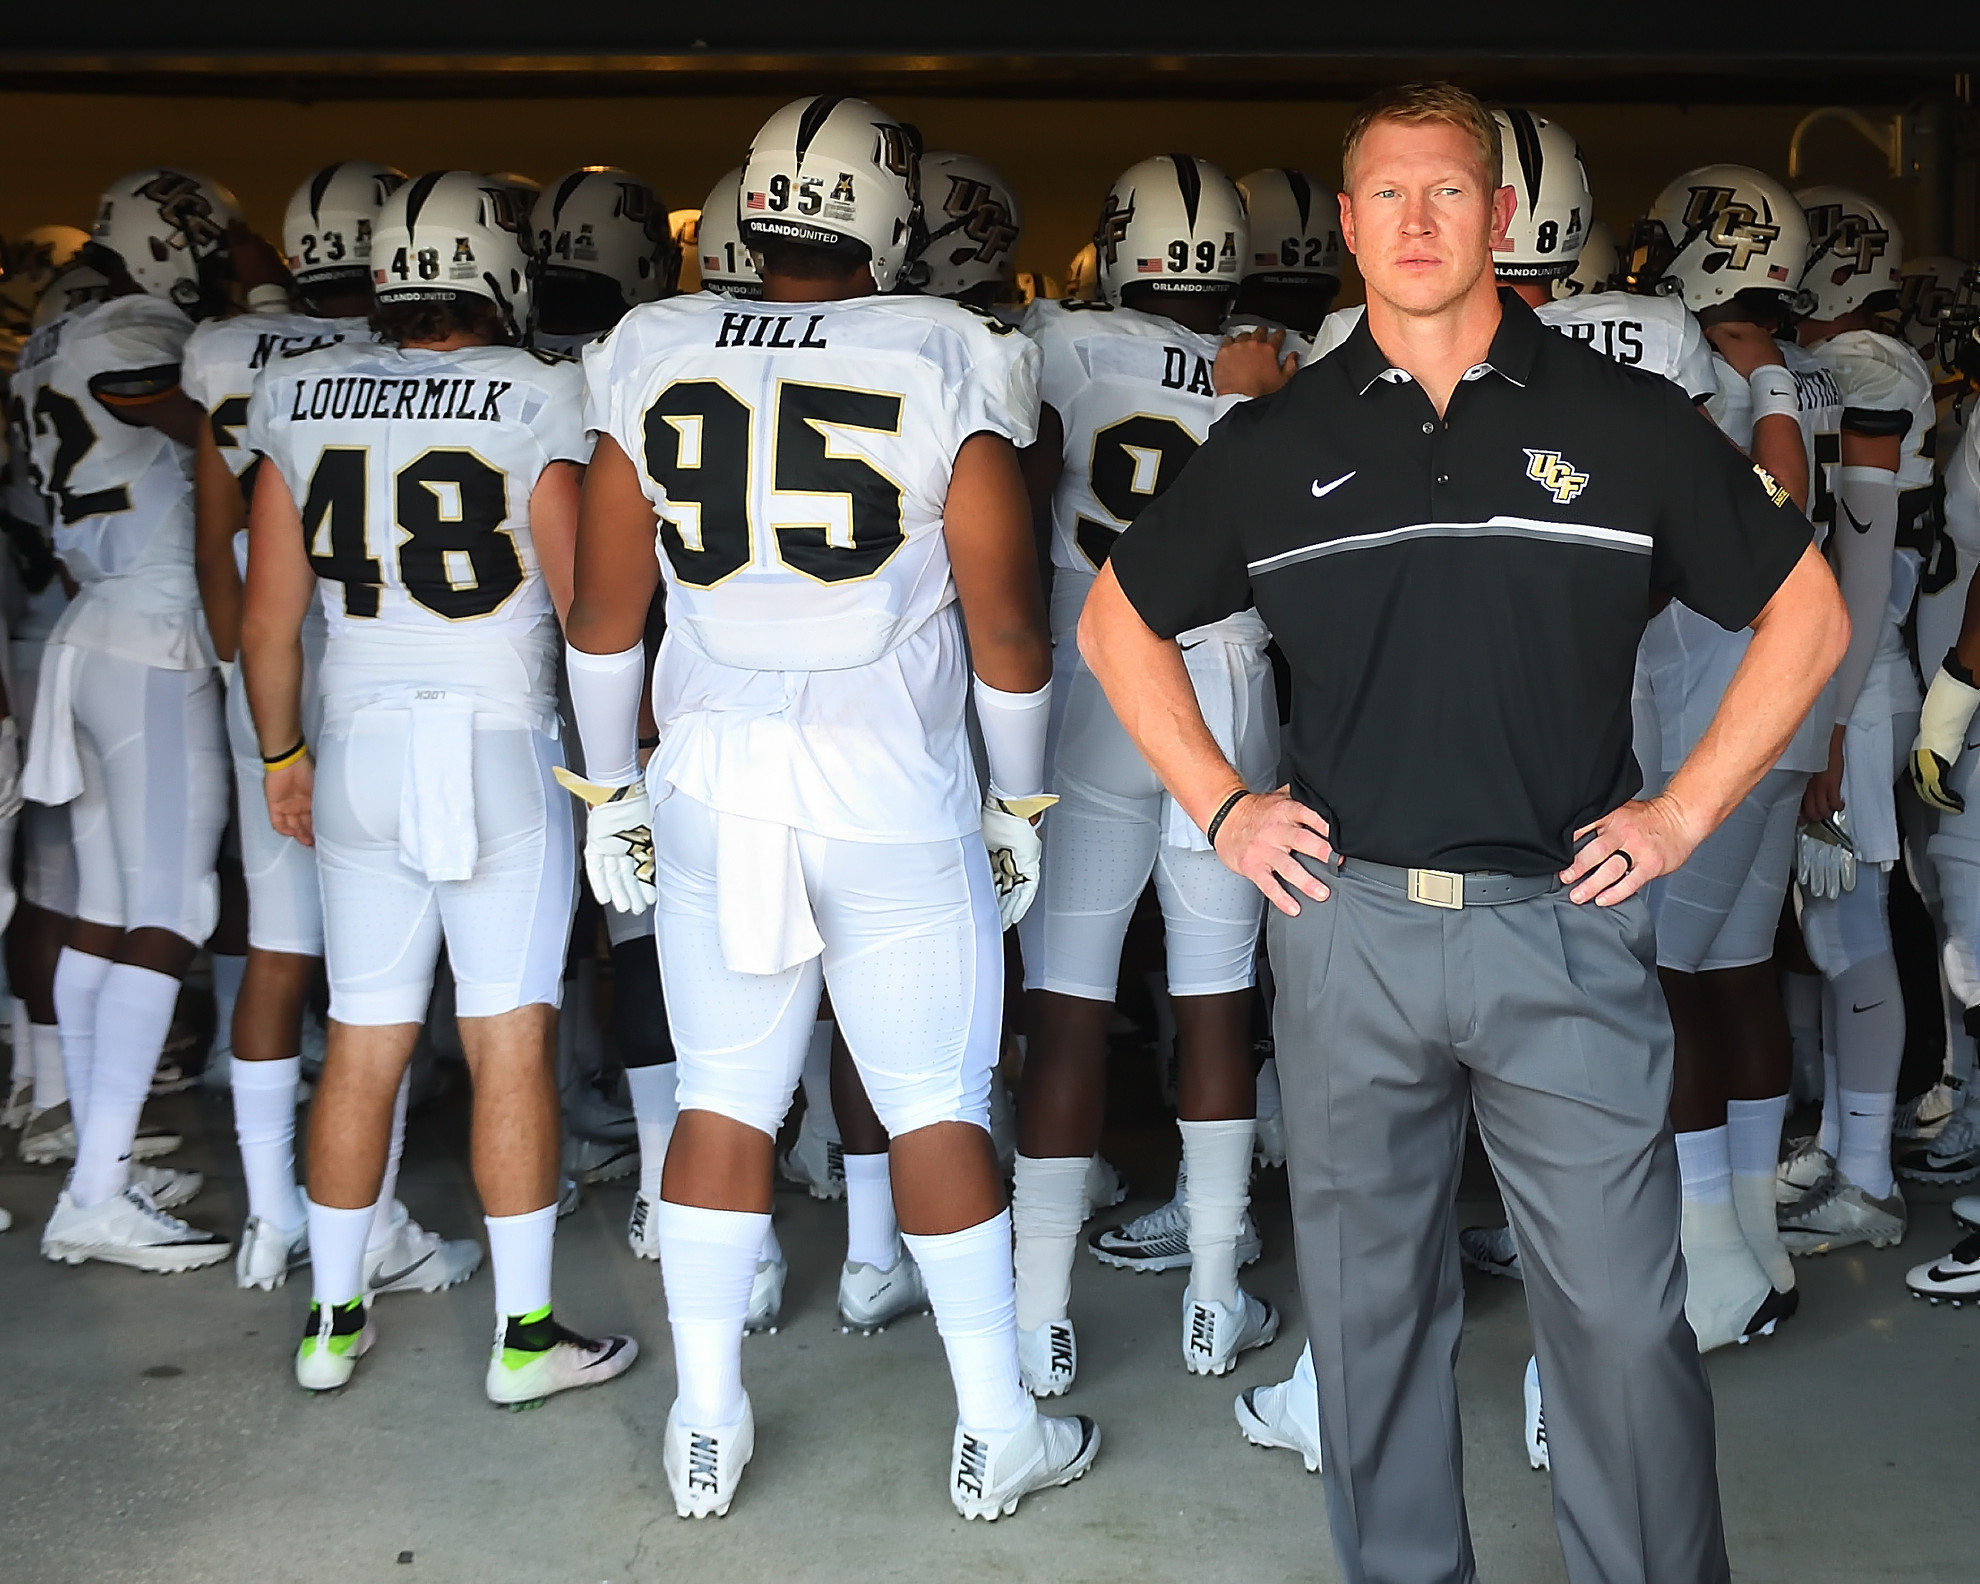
1826	858
1016	853
1949	707
618	841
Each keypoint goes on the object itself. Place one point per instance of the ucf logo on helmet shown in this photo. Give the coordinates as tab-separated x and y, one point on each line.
1728	224
1556	475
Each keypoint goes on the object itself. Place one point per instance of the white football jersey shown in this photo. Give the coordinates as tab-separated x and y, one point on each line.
798	458
1656	334
1336	328
412	470
224	356
31	613
120	493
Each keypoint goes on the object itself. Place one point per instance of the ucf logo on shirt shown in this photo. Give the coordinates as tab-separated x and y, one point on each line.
1556	475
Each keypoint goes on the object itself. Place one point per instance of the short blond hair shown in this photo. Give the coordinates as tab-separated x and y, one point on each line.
1424	104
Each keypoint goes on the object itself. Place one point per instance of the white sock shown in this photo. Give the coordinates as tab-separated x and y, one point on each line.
1864	1156
1048	1206
519	1249
19	1024
227	972
873	1236
817	1082
968	1276
656	1108
133	1016
1829	1136
1269	1100
265	1124
708	1263
1753	1135
386	1211
1218	1155
1705	1166
78	981
51	1078
336	1251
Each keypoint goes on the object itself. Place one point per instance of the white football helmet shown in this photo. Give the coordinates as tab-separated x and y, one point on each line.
168	229
1295	227
603	224
522	191
1174	223
1854	251
326	234
1596	269
972	221
1716	232
1083	274
726	265
74	286
1926	288
832	169
1552	205
448	234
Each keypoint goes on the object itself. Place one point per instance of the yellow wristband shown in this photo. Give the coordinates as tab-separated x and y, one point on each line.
283	761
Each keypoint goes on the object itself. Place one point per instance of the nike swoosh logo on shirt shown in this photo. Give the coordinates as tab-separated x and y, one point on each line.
1320	489
384	1279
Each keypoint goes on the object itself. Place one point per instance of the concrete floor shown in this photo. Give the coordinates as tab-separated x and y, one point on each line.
152	1430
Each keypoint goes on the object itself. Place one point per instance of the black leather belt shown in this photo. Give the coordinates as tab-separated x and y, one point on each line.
1443	888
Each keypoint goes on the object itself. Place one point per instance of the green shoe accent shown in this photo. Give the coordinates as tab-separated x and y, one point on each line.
527	1337
346	1327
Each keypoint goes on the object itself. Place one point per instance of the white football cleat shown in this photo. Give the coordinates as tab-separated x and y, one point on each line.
1954	1278
168	1188
1807	1167
871	1299
1286	1415
1048	1358
1843	1214
766	1295
815	1163
416	1260
1536	1419
128	1229
596	1161
1268	1145
704	1466
537	1358
1158	1239
268	1254
20	1104
643	1227
1966	1211
1214	1334
1491	1250
50	1139
333	1340
1105	1187
990	1472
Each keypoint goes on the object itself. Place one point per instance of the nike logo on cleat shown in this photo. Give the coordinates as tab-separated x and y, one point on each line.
704	1454
1062	1352
383	1279
1202	1330
1320	489
972	1468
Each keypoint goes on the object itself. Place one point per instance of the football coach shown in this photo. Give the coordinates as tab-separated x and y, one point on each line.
1457	525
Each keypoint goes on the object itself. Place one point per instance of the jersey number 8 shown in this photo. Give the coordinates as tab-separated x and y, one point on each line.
456	559
698	449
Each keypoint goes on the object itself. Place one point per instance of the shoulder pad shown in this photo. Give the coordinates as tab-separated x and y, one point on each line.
991	322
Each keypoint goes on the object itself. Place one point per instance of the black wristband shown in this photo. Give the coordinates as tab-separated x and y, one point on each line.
1223	813
649	742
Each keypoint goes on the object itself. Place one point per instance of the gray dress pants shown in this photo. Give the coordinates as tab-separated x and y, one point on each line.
1544	1018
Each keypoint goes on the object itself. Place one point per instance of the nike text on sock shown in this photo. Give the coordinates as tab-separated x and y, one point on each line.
1048	1206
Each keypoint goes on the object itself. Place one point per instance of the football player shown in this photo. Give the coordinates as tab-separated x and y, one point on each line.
128	728
602	245
828	483
326	239
424	489
972	221
1129	388
1595	266
726	266
1292	271
1871	492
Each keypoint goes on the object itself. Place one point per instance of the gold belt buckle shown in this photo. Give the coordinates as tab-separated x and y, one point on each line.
1437	888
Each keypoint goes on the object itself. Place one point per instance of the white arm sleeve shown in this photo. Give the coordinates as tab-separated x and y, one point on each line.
1014	738
1865	536
605	699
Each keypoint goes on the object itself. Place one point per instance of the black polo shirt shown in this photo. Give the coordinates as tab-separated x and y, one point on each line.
1460	599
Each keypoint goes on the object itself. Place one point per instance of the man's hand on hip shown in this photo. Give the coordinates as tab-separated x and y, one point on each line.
1259	837
1629	848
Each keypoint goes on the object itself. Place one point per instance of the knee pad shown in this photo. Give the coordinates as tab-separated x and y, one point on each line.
1210	920
1850	929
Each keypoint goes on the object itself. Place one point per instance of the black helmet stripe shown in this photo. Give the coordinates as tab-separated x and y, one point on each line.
422	189
1302	191
1526	143
812	122
319	184
565	188
1190	180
